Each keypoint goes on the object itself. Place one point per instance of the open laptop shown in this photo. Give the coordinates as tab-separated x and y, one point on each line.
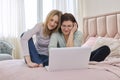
68	58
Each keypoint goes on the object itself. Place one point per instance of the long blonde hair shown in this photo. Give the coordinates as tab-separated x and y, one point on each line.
52	13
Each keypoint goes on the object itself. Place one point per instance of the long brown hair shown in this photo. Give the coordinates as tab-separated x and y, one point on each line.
52	13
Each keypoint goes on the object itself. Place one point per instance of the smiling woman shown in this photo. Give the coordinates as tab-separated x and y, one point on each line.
36	54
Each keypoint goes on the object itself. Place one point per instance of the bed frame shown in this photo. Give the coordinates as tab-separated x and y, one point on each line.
106	25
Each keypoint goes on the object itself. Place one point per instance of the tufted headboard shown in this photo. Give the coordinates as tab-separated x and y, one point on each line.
106	25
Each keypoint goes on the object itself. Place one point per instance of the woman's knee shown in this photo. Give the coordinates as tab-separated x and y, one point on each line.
106	48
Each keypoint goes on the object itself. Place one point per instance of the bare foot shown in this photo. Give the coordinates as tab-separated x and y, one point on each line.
40	65
32	65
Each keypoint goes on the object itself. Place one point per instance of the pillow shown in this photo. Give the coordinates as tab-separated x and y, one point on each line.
114	45
90	42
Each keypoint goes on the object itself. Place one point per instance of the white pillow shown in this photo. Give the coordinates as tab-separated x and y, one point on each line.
114	45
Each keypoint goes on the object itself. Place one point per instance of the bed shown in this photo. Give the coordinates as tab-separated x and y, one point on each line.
106	26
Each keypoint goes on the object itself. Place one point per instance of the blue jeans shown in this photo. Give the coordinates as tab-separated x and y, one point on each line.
100	54
35	56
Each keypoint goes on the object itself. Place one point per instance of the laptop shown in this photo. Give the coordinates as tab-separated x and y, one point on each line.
68	58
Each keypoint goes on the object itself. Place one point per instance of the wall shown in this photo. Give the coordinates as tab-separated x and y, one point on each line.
96	7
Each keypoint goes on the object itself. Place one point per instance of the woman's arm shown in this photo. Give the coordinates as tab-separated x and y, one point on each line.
30	63
70	41
24	44
77	39
53	40
26	36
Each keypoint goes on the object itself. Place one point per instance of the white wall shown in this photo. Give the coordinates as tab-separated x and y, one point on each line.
96	7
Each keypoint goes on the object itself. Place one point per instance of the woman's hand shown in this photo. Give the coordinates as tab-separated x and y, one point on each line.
74	29
70	41
32	65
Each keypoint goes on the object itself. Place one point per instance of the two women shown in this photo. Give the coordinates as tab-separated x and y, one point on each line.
66	36
69	36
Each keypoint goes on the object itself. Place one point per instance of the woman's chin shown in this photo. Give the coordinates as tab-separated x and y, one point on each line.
66	34
51	29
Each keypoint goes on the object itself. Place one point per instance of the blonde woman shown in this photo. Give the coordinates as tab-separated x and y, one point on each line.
36	55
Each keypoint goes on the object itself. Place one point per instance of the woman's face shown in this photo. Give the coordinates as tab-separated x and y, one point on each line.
66	27
53	22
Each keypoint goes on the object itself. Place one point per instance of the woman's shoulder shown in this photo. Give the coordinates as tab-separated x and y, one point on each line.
56	33
78	32
39	24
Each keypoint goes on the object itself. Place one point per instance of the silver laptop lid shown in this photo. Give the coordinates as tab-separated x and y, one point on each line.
69	58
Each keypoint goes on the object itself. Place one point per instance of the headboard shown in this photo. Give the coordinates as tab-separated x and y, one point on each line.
106	25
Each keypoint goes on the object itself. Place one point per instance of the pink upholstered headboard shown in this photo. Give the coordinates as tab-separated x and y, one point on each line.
106	25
